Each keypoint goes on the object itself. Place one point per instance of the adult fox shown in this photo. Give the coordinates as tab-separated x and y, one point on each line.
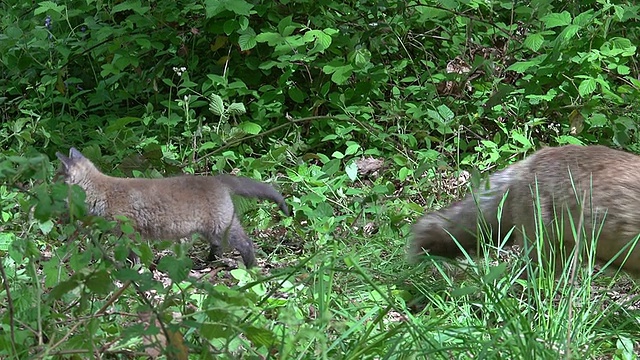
548	186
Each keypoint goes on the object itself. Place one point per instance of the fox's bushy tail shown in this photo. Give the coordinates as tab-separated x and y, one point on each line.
244	186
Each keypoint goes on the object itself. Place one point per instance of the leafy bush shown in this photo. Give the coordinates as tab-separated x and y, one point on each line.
364	112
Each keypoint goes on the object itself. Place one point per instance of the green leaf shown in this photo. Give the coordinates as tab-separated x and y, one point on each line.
46	226
45	6
321	40
270	38
63	288
521	139
208	145
557	19
522	66
250	127
403	173
296	94
534	41
352	171
247	41
177	269
5	240
216	105
352	148
213	8
99	282
587	87
261	337
134	5
240	7
235	109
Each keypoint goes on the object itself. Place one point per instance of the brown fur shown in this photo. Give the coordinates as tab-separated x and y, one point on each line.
555	176
174	207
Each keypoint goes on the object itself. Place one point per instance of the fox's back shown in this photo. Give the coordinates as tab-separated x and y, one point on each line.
607	180
170	206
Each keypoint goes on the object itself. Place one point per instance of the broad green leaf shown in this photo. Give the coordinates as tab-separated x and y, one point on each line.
250	127
236	109
213	8
177	268
99	282
557	19
534	41
45	6
133	5
403	173
46	226
296	94
247	41
521	139
587	87
270	38
216	105
352	171
522	66
342	74
240	7
352	148
6	239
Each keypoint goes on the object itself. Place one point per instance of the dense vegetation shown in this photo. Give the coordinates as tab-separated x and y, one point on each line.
364	113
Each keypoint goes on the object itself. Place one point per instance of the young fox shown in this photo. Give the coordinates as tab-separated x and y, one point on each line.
174	207
552	186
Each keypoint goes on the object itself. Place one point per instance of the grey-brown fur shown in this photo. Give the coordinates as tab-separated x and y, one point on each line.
174	207
559	176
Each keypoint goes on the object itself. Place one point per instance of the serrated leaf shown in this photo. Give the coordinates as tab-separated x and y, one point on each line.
557	19
534	41
133	5
623	70
5	240
46	226
45	6
247	41
587	87
569	32
250	127
236	109
445	112
216	105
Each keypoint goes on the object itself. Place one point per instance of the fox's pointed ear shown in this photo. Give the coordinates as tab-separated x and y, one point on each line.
66	162
74	153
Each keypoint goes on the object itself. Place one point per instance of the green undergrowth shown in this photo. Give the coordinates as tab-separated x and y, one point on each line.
363	114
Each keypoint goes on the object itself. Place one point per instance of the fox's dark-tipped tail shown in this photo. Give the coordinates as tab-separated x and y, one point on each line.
244	186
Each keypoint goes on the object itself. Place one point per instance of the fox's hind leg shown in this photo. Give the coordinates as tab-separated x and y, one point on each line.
235	236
